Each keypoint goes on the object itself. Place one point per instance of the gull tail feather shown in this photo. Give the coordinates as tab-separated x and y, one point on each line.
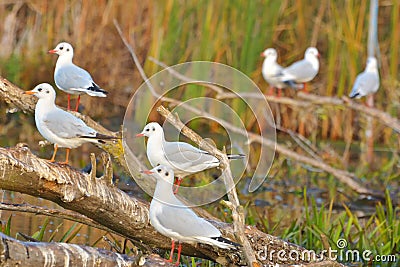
355	93
219	242
236	156
94	90
100	138
293	84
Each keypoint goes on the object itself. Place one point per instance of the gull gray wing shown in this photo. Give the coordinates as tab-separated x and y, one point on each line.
185	222
66	125
72	76
298	71
186	155
366	83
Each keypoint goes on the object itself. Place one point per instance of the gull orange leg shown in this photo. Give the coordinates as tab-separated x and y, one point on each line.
54	153
177	184
69	102
271	90
179	254
77	102
279	92
305	90
172	251
66	156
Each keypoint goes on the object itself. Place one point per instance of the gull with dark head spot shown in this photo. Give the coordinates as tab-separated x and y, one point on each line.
271	70
71	78
367	82
170	217
58	126
302	71
182	157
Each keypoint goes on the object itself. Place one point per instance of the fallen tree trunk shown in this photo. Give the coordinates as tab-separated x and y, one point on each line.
17	253
105	204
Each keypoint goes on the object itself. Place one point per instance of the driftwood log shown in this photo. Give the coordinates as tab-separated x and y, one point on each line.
17	253
99	200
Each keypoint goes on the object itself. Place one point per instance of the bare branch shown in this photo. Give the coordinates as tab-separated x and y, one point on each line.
380	115
184	78
270	98
63	214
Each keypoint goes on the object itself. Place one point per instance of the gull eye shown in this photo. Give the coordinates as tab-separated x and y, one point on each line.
153	129
147	129
40	89
61	48
158	170
167	173
47	92
67	49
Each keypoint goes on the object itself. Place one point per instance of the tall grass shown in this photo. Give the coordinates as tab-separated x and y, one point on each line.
323	227
231	32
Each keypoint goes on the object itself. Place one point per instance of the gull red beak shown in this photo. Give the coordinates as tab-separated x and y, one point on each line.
29	93
319	55
139	135
52	51
262	54
147	172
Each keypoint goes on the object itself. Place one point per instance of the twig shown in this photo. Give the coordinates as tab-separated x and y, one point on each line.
237	209
134	57
317	22
27	237
140	69
184	78
381	116
302	142
270	98
63	214
320	100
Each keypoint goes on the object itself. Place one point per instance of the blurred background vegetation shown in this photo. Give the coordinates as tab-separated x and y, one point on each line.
298	203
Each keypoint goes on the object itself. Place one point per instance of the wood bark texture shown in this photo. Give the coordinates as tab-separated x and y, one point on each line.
99	200
17	253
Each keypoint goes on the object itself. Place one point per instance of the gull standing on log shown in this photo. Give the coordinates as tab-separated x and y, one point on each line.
170	217
182	157
271	70
302	71
71	78
367	82
58	126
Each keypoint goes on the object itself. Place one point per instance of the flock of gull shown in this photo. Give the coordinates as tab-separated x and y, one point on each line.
169	159
300	72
